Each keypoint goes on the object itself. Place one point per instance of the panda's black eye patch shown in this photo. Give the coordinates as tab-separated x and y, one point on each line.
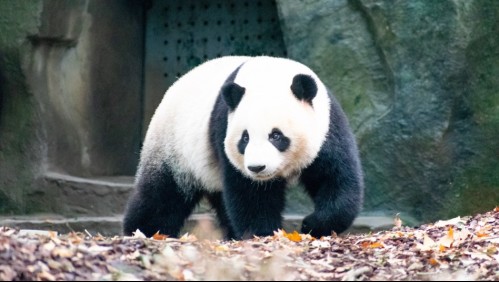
243	142
279	140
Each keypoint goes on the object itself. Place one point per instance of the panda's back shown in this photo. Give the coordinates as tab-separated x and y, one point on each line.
178	132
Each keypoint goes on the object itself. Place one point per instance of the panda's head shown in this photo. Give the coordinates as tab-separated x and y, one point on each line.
278	118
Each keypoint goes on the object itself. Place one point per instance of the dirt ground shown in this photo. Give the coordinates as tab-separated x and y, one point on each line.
462	248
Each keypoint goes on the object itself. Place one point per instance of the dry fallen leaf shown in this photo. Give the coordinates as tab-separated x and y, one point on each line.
453	221
221	248
448	239
138	235
295	236
188	238
480	234
403	253
491	250
371	245
433	261
428	243
158	236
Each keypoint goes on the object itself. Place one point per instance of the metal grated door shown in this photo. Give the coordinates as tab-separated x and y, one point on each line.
182	34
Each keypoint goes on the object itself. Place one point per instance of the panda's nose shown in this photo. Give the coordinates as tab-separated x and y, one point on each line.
256	168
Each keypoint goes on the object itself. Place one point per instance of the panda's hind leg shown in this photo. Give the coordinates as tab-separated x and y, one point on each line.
216	201
159	204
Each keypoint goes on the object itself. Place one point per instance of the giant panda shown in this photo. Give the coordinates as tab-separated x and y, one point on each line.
238	130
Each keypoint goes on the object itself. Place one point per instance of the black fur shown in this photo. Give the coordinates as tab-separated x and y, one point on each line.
304	87
232	94
253	208
334	180
158	204
216	201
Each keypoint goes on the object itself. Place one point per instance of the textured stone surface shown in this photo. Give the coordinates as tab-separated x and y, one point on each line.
70	93
418	80
20	150
77	196
84	66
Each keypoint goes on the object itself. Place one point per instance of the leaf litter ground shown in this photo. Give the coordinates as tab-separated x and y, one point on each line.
463	248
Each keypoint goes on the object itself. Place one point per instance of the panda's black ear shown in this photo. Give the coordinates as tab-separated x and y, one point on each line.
232	94
304	87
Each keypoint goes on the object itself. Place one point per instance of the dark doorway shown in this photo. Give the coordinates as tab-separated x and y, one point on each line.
182	34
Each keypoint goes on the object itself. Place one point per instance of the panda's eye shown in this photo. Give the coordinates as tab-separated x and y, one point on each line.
245	137
243	142
275	135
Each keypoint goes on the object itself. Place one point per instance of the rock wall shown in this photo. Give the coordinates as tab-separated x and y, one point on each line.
20	150
71	96
85	68
419	82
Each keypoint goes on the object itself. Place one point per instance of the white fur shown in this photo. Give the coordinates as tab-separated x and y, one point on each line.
178	132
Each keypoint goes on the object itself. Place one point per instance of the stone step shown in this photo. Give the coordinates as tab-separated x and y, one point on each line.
78	196
97	204
73	196
111	225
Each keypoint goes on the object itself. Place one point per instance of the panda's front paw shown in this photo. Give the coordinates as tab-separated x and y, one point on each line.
315	226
